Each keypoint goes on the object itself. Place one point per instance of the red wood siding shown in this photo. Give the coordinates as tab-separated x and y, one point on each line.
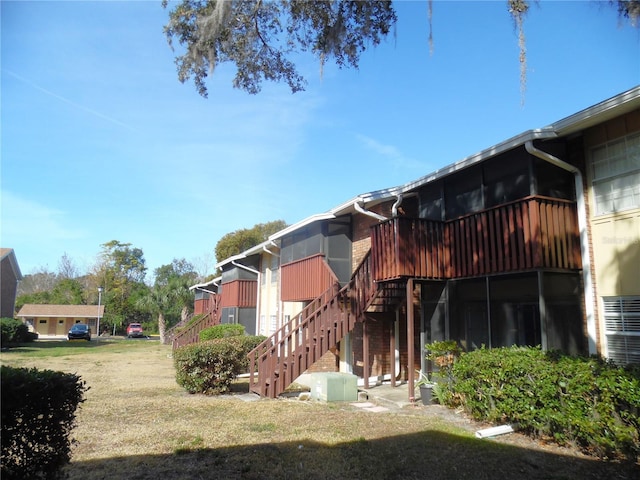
305	279
536	232
200	306
206	305
239	293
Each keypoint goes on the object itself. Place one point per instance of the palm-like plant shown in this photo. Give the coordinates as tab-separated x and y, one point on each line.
159	300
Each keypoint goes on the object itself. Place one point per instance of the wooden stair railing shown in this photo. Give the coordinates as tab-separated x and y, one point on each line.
290	351
191	334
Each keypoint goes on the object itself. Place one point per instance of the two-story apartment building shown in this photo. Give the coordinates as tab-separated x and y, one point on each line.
534	241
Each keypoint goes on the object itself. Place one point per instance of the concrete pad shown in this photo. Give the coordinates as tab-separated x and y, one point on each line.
249	397
363	405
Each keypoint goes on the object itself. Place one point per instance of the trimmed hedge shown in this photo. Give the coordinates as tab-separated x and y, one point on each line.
38	414
210	367
13	332
586	402
221	331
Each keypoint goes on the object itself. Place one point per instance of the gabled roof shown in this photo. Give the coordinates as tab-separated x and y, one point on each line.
75	311
10	256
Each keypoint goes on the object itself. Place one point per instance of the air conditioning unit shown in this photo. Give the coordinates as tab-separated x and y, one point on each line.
334	387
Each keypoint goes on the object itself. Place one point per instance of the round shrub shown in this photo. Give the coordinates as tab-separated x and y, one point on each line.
221	331
38	414
210	367
13	332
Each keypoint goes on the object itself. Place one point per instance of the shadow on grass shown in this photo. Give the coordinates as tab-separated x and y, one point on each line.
430	455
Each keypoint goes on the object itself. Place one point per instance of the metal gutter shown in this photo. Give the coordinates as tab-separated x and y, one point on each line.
583	226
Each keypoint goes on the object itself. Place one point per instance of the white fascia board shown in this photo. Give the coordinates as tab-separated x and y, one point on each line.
599	113
247	253
205	284
230	259
366	198
301	224
480	157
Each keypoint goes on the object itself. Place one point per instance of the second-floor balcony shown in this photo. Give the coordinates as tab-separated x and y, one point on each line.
305	279
239	293
532	233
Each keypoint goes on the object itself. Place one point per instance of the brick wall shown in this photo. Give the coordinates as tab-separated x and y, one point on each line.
361	237
329	362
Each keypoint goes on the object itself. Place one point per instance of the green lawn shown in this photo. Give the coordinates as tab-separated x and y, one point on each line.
137	423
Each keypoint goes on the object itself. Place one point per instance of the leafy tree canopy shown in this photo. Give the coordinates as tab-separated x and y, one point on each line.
260	37
177	269
123	262
236	242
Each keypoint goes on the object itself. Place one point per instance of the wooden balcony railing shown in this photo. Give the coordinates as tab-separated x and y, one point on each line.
239	293
535	232
305	279
191	333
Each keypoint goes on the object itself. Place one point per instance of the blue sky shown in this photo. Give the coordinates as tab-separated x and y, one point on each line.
101	142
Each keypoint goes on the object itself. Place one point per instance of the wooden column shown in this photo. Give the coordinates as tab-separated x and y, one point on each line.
410	350
365	354
392	350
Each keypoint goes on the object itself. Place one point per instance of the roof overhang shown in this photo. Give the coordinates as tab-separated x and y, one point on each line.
202	286
603	111
599	113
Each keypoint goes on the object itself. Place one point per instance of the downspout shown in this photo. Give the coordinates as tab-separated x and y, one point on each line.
584	238
249	269
359	208
394	208
279	320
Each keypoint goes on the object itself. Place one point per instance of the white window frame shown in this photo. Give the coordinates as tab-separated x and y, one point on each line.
615	173
622	328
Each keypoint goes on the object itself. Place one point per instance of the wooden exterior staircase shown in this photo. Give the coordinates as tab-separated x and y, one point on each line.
290	351
191	334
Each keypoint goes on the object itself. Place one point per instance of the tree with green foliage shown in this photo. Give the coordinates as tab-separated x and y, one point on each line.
240	240
178	276
158	301
178	268
68	291
260	37
121	270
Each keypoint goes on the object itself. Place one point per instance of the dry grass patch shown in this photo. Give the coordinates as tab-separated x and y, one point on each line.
137	423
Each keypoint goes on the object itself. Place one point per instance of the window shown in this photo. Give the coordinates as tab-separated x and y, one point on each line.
622	328
616	175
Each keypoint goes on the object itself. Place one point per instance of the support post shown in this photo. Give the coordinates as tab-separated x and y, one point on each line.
410	342
365	354
392	351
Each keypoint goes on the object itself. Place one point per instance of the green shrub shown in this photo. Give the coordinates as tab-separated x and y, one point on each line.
210	367
221	331
13	332
38	414
192	321
574	400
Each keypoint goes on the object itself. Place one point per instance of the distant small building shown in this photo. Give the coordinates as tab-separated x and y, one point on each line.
9	277
56	320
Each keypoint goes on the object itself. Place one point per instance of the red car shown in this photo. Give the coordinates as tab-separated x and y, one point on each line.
134	330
